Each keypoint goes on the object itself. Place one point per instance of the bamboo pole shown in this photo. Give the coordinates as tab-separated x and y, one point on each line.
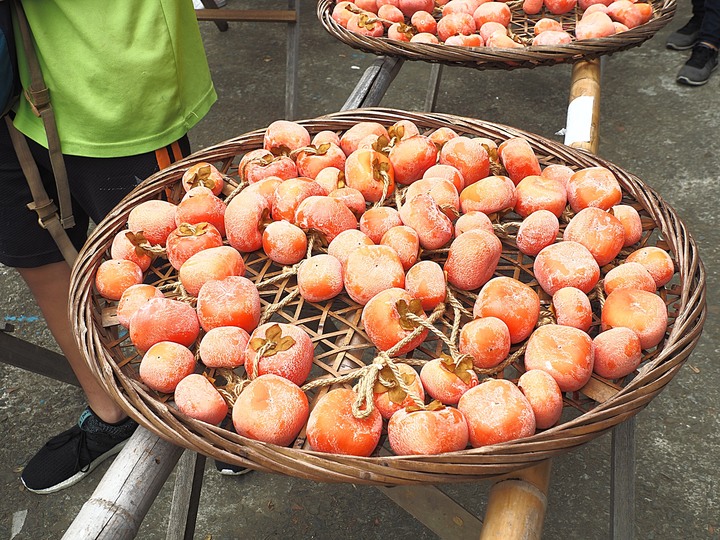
583	116
517	504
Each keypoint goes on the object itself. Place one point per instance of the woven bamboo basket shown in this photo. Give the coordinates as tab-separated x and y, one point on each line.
342	348
521	26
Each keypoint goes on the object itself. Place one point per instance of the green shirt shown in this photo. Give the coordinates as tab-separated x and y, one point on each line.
125	76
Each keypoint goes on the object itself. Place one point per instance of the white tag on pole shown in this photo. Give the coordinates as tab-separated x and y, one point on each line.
579	120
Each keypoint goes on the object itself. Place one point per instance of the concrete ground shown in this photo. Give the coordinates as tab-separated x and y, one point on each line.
664	133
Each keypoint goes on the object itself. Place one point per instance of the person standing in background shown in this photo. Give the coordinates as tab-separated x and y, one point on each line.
701	34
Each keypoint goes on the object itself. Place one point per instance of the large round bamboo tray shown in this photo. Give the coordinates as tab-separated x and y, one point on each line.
342	347
495	58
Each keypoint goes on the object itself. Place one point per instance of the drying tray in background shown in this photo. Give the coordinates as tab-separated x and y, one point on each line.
341	346
496	58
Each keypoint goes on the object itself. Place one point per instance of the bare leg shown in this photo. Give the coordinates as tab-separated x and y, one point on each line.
50	285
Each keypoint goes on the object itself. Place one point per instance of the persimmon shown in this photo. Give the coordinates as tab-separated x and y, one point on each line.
347	241
472	259
454	24
446	380
392	15
500	40
497	12
284	242
132	298
128	245
411	157
552	38
572	308
389	397
424	37
282	349
543	25
539	193
196	397
566	264
442	135
599	231
490	28
350	197
657	261
486	340
224	347
468	156
594	25
375	222
351	138
544	396
203	174
245	217
518	158
511	301
325	136
259	164
371	269
442	191
320	278
290	194
210	264
233	301
406	243
189	239
271	409
284	136
537	231
410	7
199	205
333	428
428	432
311	160
163	319
365	24
630	14
165	364
489	195
326	215
618	352
471	40
564	352
562	173
432	225
593	186
643	312
114	276
331	178
370	172
559	7
496	411
156	220
342	12
473	220
386	322
631	222
629	275
448	172
457	6
425	280
424	22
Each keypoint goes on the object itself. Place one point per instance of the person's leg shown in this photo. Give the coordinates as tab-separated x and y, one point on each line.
687	36
704	59
49	285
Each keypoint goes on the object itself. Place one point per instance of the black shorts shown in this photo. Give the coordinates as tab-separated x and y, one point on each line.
97	185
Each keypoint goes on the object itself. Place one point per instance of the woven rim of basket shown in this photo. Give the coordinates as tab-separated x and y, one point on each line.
508	59
97	344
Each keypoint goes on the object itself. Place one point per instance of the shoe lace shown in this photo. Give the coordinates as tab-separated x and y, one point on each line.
700	56
77	437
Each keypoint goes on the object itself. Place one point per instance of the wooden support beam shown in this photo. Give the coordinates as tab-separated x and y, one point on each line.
30	357
433	87
124	495
622	481
583	116
186	496
247	15
517	504
373	84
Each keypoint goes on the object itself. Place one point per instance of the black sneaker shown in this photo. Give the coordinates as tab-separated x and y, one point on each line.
697	69
228	469
684	38
67	458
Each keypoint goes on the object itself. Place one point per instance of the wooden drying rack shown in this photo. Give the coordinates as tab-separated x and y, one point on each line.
517	501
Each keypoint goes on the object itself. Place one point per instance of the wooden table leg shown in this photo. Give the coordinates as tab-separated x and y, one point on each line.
622	481
583	116
517	504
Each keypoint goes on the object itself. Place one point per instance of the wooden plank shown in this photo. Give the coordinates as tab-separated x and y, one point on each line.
292	57
127	490
433	87
437	511
186	496
373	84
30	357
211	4
246	15
622	481
517	505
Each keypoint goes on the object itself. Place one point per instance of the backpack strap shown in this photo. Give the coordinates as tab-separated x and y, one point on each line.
42	204
39	98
